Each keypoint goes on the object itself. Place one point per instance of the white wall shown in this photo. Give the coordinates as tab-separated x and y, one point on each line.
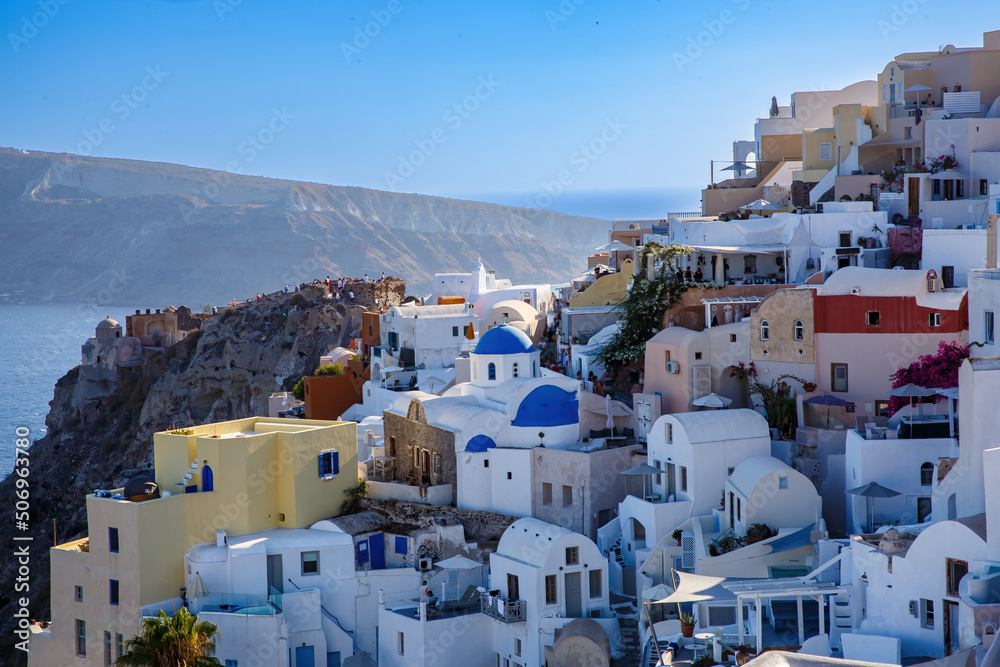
962	249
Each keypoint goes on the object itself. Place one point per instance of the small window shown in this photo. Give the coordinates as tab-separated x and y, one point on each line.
119	645
845	239
988	329
838	377
948	276
81	638
739	509
78	593
546	493
567	495
800	330
517	646
732	338
926	613
310	562
984	187
596	590
959	189
113	591
873	318
108	658
491	371
401	644
486	463
666	357
765	330
670	433
550	589
934	319
684	479
232	663
956	570
826	151
926	474
936	187
510	475
454	331
329	464
697	355
572	555
782	482
113	540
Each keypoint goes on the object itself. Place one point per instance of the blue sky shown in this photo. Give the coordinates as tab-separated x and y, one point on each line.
605	95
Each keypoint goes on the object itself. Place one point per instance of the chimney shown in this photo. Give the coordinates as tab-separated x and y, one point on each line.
220	538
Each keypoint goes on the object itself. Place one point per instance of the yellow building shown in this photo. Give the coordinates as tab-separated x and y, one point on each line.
240	476
608	290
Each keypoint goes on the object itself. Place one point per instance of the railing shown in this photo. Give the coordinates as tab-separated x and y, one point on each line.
985	274
508	611
326	613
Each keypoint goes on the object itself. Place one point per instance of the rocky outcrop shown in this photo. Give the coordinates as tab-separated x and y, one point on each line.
224	371
97	230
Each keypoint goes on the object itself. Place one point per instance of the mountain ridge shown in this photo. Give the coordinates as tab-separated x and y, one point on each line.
110	230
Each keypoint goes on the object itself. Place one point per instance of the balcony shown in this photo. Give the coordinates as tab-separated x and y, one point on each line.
508	611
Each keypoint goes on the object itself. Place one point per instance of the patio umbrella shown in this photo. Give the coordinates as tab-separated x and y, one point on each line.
828	401
947	175
610	423
198	588
912	391
951	393
647	471
712	400
916	88
738	166
757	203
615	246
871	491
458	563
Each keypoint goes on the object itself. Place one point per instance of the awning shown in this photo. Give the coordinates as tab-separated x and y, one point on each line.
392	369
800	538
697	588
746	249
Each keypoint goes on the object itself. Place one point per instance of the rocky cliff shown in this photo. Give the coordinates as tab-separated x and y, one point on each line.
224	371
119	231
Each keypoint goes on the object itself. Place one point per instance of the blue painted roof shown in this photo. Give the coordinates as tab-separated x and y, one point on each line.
548	405
480	443
504	339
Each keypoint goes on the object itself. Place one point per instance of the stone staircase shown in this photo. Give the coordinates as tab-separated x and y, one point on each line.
628	623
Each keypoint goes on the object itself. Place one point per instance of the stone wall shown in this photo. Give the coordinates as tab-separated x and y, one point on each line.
690	311
402	434
800	193
389	292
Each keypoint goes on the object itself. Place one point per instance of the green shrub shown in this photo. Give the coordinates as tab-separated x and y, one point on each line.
329	369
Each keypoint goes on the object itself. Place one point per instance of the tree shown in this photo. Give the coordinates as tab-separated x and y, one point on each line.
178	641
939	371
329	369
641	313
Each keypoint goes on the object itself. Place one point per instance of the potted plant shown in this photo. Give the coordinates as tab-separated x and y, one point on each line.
676	535
541	438
687	625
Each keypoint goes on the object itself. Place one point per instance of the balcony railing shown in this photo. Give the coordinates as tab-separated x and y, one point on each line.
508	611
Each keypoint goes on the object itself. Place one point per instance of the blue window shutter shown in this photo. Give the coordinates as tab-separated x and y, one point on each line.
335	461
320	465
400	545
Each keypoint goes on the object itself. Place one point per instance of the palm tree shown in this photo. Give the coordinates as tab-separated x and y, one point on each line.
178	641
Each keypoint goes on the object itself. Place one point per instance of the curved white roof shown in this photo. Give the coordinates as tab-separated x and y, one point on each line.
671	336
747	474
526	311
531	540
718	425
890	282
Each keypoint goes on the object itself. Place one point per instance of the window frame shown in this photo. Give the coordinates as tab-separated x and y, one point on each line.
799	330
834	380
567	495
828	145
114	592
989	327
329	464
595	590
927	468
877	319
491	372
303	561
765	330
551	589
572	555
114	540
927	614
546	493
81	638
952	582
78	593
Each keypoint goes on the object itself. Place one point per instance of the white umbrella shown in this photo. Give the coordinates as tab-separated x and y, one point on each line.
712	400
916	88
910	391
615	246
458	563
198	588
610	423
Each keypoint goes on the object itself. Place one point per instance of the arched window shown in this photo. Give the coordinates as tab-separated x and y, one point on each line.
800	330
926	474
207	478
765	330
491	371
514	369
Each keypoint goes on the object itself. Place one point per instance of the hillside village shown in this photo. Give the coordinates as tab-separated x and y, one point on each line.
762	433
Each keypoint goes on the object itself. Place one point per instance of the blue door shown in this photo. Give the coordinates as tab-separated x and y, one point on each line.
376	545
304	656
362	548
333	659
